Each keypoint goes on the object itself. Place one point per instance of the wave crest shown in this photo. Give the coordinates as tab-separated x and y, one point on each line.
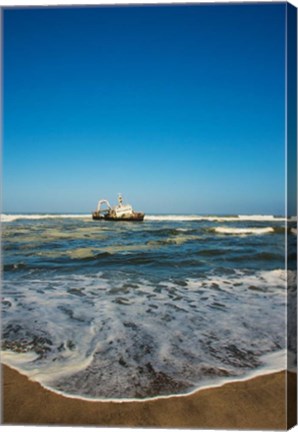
12	218
238	218
244	231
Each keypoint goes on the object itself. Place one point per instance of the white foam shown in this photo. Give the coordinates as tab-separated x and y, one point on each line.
14	217
243	231
273	363
14	359
178	218
273	279
260	218
91	336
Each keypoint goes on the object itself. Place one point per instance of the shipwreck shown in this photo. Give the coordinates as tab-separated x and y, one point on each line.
120	212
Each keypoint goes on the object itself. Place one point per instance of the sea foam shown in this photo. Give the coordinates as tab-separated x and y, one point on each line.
14	217
243	231
117	326
190	218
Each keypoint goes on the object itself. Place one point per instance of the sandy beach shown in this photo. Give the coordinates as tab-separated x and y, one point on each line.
258	403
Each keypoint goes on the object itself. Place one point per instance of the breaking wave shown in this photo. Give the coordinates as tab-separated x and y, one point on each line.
243	231
14	217
178	218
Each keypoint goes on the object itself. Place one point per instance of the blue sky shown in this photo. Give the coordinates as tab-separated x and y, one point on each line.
179	108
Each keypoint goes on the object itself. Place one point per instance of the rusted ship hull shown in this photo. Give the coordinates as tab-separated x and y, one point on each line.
135	217
121	212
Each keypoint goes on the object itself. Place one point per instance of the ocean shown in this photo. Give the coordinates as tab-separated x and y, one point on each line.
132	310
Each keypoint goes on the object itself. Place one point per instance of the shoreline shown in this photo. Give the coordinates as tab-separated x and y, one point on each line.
254	403
214	384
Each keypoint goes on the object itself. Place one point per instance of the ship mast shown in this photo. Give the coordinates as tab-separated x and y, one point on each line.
120	200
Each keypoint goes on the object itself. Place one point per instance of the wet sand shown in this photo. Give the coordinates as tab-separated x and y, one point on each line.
258	403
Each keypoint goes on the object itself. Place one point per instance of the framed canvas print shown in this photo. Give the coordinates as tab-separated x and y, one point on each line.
149	215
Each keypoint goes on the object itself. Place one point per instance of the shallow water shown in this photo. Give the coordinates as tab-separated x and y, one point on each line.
133	310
